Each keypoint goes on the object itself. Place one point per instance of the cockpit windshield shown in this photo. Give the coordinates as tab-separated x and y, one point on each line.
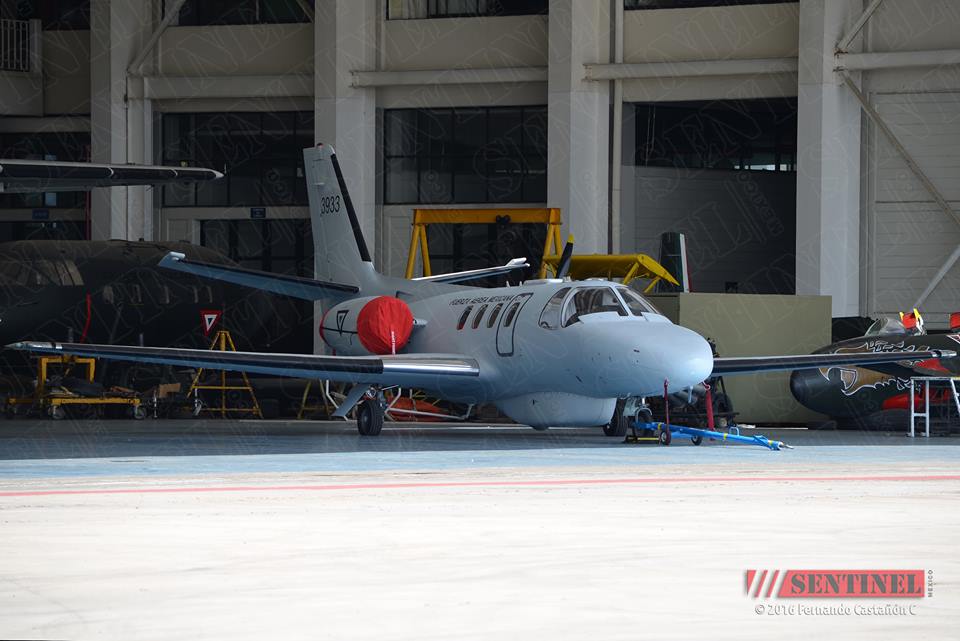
636	303
891	325
590	300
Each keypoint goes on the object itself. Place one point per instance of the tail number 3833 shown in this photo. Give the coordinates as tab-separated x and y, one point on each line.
329	204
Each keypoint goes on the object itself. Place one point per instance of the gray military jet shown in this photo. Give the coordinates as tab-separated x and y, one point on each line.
546	352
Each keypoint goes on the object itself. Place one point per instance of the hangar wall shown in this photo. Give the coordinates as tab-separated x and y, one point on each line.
909	237
902	238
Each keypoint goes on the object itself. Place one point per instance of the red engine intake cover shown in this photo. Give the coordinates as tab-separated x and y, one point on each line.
384	325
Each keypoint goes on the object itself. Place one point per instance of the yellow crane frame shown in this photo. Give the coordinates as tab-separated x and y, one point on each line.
423	217
624	266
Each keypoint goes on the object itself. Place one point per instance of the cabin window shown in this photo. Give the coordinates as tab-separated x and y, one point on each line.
510	314
591	300
479	316
464	316
550	316
493	315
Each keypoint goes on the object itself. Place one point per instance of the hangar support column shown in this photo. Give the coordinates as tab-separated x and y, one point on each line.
117	124
579	116
345	39
828	161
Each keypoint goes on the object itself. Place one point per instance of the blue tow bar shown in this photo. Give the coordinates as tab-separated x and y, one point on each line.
697	435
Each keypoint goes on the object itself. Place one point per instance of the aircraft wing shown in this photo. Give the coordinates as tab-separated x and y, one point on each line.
474	274
34	176
294	286
417	370
753	364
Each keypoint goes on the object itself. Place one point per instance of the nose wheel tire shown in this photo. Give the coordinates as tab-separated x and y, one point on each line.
619	424
370	417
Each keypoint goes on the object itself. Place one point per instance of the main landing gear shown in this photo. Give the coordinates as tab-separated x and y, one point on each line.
370	414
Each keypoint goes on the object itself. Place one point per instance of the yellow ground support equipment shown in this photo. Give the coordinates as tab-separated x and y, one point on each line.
53	400
223	342
625	266
528	215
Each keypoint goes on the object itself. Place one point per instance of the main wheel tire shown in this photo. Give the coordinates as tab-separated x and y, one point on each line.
619	424
370	417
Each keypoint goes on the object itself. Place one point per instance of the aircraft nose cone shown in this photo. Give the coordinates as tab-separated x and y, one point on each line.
689	358
635	359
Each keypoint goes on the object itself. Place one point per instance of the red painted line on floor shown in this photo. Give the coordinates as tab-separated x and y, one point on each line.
660	480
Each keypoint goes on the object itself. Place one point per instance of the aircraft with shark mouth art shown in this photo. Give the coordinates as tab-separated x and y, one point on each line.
545	352
878	396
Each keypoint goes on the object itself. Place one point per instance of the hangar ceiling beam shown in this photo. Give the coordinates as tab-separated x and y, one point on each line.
447	77
896	59
691	68
857	26
918	173
172	13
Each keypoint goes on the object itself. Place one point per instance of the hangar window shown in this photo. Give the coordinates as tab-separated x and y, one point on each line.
422	9
260	153
550	316
759	135
55	15
686	4
65	145
464	316
590	300
280	246
465	155
227	12
493	315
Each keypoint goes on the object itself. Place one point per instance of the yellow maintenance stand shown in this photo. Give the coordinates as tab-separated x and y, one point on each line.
223	342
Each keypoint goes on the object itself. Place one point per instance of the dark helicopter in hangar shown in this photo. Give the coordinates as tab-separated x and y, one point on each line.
113	292
878	396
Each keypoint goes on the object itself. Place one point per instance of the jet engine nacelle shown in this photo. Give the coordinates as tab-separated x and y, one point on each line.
365	326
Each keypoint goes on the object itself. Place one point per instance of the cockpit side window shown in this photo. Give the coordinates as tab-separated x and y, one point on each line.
636	303
591	300
550	316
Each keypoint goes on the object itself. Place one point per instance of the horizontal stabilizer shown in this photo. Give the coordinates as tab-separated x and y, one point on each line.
474	274
413	370
35	176
753	364
293	286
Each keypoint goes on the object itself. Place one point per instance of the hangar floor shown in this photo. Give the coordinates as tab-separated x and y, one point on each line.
208	529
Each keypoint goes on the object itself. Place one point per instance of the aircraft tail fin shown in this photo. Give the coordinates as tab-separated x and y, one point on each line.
342	255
